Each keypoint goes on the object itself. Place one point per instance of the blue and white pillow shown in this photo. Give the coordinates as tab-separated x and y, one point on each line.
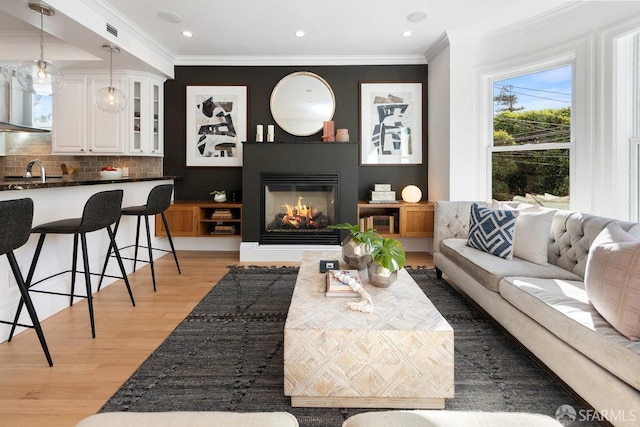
492	230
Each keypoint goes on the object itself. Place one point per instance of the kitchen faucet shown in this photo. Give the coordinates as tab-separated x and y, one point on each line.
27	172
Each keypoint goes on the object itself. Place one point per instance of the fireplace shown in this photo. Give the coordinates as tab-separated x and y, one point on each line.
317	180
297	208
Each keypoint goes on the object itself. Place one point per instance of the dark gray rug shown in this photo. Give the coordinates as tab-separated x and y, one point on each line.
227	356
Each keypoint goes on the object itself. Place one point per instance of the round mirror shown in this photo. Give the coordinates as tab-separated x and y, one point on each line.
300	102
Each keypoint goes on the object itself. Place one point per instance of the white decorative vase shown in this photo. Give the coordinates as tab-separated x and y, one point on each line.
220	197
380	276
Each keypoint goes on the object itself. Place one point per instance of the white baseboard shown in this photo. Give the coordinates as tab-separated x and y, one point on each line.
255	252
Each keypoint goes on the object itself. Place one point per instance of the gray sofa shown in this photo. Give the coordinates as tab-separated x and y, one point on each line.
546	307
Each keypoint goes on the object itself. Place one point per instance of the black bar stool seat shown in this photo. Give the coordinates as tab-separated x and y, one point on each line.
100	212
158	200
15	228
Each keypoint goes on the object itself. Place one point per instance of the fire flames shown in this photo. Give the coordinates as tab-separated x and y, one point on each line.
299	216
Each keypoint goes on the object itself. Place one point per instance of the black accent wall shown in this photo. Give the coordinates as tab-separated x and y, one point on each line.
345	82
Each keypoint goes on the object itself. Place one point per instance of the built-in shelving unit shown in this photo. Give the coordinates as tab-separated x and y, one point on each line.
400	219
202	219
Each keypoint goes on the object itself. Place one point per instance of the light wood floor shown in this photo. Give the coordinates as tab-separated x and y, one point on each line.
88	371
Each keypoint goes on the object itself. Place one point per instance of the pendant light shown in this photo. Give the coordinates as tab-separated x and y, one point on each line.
109	98
39	76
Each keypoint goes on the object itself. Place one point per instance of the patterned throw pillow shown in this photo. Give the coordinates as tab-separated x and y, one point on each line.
612	279
492	230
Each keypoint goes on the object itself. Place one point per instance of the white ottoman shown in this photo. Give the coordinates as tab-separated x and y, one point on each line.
449	419
190	419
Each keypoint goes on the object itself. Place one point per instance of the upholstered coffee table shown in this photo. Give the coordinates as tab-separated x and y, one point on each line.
399	356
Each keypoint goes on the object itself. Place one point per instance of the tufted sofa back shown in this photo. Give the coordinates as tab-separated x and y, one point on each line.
570	237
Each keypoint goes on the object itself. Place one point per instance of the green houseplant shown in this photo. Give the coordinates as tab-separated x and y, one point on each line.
387	257
219	195
356	247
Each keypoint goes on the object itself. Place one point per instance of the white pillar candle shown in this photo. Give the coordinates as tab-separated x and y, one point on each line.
270	133
259	133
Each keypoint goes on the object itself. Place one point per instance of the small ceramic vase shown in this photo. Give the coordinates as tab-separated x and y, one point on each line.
380	276
220	197
342	135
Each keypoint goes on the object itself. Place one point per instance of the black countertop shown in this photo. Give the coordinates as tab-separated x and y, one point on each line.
36	183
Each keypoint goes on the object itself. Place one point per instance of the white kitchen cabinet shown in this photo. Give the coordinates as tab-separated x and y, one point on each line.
146	95
80	127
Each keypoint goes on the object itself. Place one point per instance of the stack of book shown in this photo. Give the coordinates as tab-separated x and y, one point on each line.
336	288
224	229
385	224
382	193
222	214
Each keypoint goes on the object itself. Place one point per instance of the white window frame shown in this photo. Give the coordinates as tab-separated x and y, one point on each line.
564	60
634	184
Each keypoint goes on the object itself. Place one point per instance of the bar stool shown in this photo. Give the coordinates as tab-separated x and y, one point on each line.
15	228
100	212
158	200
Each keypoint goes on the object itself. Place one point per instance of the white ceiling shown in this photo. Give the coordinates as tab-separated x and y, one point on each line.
255	31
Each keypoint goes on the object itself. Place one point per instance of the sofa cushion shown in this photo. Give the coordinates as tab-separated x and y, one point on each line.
612	279
562	307
489	269
492	230
420	418
532	236
191	419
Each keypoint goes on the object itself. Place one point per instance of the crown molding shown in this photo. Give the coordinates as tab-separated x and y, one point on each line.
292	60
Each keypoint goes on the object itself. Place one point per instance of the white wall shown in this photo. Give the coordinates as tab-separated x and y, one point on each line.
586	30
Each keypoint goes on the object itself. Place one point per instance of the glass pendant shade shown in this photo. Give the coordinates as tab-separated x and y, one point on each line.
40	77
110	100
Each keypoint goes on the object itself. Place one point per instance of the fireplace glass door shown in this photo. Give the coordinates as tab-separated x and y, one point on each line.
297	208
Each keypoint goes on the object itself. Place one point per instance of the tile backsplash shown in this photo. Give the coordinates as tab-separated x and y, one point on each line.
23	147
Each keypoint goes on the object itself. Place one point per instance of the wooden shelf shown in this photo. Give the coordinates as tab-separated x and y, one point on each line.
196	219
409	219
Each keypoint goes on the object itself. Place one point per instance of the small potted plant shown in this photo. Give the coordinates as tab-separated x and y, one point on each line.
356	248
387	257
219	195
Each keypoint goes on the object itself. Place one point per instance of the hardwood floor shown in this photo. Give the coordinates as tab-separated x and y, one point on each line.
86	371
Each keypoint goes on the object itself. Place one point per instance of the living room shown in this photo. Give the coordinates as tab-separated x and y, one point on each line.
455	73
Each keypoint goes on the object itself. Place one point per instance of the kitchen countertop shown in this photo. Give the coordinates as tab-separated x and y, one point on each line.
35	183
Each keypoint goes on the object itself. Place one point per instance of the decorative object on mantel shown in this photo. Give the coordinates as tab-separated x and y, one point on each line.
271	133
391	123
387	257
219	195
259	133
110	99
342	135
411	194
328	131
39	76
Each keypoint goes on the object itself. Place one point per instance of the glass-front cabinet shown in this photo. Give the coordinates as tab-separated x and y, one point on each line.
145	115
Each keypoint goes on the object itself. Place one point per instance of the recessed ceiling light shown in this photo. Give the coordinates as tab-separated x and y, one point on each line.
406	34
417	16
299	33
167	15
187	33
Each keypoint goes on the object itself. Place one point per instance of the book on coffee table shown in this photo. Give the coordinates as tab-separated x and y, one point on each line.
336	288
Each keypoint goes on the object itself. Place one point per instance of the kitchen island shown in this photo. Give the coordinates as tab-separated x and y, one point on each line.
60	198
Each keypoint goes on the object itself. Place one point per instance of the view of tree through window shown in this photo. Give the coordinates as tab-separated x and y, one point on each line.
531	128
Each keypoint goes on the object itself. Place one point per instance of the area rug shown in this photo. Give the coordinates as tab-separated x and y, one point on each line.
227	355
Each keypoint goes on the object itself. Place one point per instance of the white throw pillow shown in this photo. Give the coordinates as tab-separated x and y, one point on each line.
532	236
612	279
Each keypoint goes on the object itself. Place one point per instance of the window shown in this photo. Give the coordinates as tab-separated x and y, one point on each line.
532	142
